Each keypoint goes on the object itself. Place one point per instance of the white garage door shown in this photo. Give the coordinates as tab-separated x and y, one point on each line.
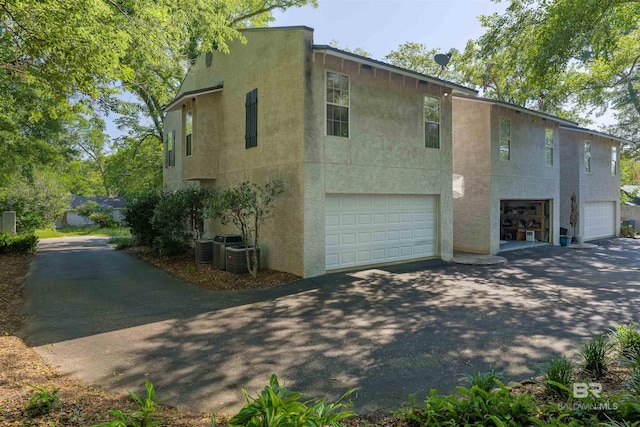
599	220
370	229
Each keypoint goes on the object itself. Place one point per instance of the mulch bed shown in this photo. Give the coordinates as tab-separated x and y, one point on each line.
206	277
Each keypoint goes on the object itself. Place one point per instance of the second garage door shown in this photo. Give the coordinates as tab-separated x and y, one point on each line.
599	220
371	229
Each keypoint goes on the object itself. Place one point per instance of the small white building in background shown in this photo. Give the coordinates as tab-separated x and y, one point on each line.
71	219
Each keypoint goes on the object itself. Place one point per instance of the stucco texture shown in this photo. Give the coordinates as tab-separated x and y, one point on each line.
482	179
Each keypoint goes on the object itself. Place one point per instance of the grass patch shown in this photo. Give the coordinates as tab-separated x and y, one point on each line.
89	230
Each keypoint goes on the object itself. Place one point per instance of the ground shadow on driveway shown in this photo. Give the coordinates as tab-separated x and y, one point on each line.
388	332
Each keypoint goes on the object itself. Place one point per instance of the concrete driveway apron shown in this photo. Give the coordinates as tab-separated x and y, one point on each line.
105	317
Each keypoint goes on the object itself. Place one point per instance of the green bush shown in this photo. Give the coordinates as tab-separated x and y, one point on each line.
595	354
558	376
102	216
178	217
138	214
276	406
627	337
473	407
485	381
18	243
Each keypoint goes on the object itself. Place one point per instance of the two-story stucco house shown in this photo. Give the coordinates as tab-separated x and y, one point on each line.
364	149
590	170
514	171
506	174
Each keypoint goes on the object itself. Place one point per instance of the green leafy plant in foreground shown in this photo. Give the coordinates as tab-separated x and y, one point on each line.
558	376
472	406
484	381
141	417
276	406
18	243
594	354
42	400
628	338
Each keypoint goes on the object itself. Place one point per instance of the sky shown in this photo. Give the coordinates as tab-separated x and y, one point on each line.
380	26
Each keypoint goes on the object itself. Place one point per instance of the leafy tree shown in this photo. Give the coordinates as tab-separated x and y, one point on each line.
420	58
89	137
358	51
64	58
247	206
38	199
629	168
101	215
588	48
138	215
176	213
134	167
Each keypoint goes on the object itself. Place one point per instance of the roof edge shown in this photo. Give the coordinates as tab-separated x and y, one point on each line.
596	133
318	48
197	92
515	107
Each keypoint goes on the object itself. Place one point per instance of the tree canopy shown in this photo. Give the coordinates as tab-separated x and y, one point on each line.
66	63
563	57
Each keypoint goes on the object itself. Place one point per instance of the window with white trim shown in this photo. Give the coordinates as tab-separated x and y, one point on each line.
614	161
587	156
505	138
548	146
337	93
188	133
431	122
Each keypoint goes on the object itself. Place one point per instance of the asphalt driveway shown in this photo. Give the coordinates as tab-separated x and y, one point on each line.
111	319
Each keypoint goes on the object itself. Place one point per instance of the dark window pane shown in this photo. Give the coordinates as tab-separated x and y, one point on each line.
432	135
337	121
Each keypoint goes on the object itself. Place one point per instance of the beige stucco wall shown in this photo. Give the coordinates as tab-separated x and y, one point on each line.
487	179
471	176
628	212
599	185
384	153
273	61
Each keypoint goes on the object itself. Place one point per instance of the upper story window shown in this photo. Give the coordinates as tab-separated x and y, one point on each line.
548	146
614	161
170	151
251	112
337	104
431	122
587	156
188	133
505	138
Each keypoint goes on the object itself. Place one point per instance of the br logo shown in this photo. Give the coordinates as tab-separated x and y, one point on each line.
582	390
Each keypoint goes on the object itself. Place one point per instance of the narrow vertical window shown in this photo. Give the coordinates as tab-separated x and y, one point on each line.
505	138
188	133
548	146
614	161
170	153
431	122
587	156
337	91
251	113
